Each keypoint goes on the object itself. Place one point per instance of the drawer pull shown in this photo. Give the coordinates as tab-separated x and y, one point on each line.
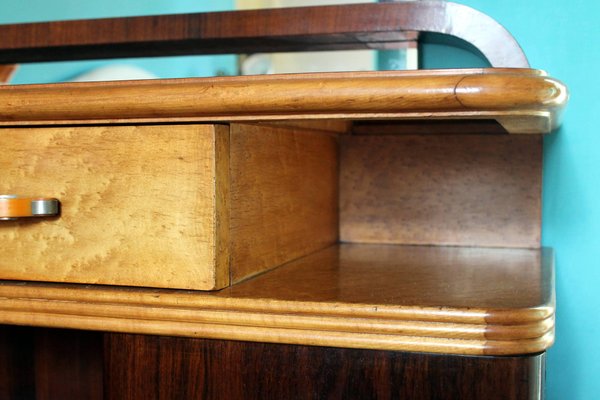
13	207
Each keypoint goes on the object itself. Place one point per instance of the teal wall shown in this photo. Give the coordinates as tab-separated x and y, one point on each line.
563	38
46	10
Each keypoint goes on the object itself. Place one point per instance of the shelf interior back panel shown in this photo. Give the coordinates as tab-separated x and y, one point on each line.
438	189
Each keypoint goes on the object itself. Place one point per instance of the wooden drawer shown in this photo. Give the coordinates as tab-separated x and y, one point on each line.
178	206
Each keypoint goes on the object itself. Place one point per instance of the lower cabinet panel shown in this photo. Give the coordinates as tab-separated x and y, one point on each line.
40	363
37	363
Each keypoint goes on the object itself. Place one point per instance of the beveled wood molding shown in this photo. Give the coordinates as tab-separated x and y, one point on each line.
320	300
351	26
523	101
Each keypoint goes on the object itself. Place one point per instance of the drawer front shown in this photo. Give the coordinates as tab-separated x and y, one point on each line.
140	206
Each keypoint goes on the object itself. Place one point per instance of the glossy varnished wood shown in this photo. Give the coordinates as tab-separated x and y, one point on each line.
140	205
176	368
521	100
164	206
469	190
43	363
417	298
283	202
132	366
17	370
292	29
356	299
46	364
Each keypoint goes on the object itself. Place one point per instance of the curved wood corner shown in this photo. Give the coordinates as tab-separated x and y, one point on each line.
487	35
347	26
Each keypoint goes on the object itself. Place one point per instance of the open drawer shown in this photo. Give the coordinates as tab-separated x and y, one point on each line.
182	206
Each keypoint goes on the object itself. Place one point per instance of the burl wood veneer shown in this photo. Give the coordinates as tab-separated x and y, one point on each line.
179	206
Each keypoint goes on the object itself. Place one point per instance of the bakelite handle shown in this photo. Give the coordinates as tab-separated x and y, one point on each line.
14	207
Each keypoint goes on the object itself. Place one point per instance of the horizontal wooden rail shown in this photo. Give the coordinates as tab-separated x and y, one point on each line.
354	26
521	100
332	298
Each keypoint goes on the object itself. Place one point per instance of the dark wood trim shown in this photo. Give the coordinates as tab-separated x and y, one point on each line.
211	369
356	26
39	363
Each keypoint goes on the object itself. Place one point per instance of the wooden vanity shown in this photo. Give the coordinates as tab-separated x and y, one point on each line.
340	235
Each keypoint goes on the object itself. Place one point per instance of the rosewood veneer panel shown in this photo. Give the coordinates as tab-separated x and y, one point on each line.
215	369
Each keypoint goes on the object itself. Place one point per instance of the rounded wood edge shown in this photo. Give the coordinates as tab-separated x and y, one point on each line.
524	331
284	336
516	97
527	346
287	76
342	324
219	301
486	34
497	91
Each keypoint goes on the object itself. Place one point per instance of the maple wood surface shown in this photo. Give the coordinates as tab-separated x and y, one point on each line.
283	196
143	217
451	300
415	298
495	280
521	100
177	206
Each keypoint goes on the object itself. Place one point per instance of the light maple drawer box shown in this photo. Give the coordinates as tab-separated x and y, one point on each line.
177	206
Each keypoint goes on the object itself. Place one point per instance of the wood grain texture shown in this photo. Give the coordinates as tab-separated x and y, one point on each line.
131	367
291	29
153	205
50	364
138	205
411	298
532	105
124	366
337	126
283	196
17	370
215	369
466	190
68	364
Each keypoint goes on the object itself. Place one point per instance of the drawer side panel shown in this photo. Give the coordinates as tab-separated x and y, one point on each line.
283	196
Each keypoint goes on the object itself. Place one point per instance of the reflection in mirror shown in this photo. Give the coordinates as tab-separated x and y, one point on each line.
138	68
401	55
404	56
